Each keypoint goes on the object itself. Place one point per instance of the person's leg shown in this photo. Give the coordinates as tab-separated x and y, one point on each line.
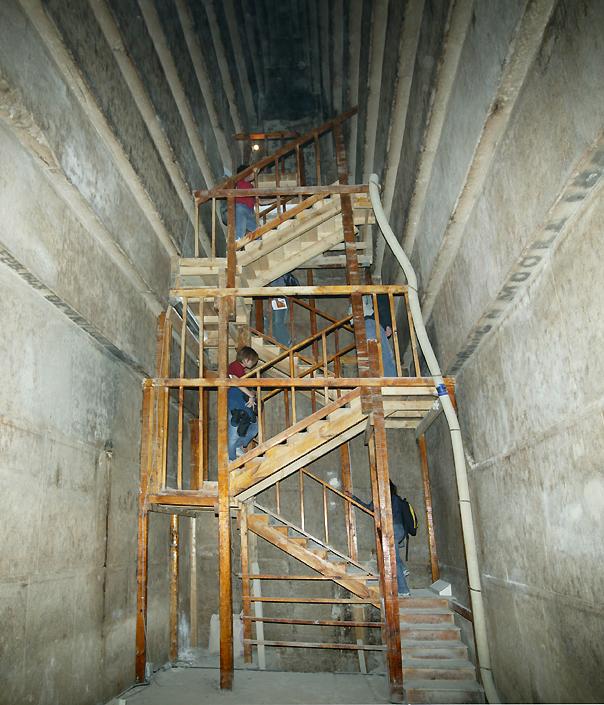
242	220
399	537
233	439
250	216
280	326
252	432
388	360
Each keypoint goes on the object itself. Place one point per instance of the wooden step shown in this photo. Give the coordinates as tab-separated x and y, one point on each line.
438	669
420	602
443	691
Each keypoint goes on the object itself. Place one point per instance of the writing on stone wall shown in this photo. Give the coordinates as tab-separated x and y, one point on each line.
582	183
13	263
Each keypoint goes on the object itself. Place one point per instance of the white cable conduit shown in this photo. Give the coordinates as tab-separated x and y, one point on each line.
465	506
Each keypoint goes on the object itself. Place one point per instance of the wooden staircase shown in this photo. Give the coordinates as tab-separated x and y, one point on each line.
311	551
323	228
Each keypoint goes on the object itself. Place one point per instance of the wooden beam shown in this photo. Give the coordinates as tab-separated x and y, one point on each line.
423	455
174	573
317	622
203	78
319	645
245	583
224	511
272	291
355	30
327	190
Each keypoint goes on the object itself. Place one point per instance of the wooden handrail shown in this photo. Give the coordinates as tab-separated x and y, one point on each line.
286	149
274	341
319	312
274	191
275	222
348	559
319	415
298	346
338	492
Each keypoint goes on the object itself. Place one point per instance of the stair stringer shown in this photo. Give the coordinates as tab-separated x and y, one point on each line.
249	483
338	574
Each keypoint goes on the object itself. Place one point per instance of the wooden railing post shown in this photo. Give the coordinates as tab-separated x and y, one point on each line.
423	454
224	519
245	584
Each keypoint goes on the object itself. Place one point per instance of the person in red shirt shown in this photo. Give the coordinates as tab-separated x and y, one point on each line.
245	218
243	425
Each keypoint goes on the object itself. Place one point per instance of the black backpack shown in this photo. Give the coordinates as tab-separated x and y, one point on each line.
409	522
409	517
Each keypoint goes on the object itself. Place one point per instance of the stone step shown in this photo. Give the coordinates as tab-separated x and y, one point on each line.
429	632
419	690
443	649
438	669
434	615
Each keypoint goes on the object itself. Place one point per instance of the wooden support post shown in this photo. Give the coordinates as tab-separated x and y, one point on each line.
245	584
423	454
388	584
231	258
224	517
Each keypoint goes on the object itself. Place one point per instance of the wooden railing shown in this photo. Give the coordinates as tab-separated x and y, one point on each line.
274	164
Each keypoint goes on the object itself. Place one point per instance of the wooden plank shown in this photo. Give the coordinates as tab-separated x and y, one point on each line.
271	291
317	600
283	151
388	584
318	622
402	383
423	454
320	645
277	191
193	607
224	519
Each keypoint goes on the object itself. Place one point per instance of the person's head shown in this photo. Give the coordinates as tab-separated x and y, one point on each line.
243	167
393	488
247	356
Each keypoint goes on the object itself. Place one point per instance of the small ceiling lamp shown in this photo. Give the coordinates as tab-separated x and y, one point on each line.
255	147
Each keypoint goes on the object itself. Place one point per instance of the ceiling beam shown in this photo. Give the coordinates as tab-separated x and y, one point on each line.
17	118
223	65
379	23
338	56
113	36
160	43
242	68
70	73
203	78
523	49
458	23
407	52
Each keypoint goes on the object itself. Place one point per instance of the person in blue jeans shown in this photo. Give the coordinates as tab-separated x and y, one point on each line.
280	311
242	421
388	361
400	535
245	217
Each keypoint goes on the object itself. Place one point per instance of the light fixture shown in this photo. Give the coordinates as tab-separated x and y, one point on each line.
255	147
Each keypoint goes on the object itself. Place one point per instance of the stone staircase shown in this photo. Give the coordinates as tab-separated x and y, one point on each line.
436	666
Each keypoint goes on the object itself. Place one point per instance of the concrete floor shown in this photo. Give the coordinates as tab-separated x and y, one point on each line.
193	686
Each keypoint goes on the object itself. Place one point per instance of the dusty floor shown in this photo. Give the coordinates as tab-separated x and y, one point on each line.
197	686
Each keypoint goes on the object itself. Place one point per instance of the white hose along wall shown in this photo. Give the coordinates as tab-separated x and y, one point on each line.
465	506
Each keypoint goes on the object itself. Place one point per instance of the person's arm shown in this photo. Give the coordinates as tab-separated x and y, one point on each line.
367	505
248	391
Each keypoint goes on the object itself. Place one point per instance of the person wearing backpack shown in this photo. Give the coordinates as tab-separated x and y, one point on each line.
404	523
